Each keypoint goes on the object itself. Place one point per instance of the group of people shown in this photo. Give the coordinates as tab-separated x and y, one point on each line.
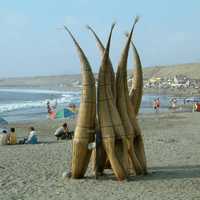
10	138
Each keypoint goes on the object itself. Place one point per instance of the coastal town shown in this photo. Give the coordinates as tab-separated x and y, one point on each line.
172	82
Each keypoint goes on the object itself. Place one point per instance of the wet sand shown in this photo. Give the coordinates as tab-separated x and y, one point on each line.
172	142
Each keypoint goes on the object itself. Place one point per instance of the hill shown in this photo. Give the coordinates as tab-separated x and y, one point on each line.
191	70
73	82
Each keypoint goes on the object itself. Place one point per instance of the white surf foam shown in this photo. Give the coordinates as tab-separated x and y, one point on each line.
65	98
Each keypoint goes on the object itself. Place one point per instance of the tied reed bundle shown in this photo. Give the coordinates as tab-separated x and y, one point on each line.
136	98
110	69
136	90
119	141
85	128
124	105
109	119
103	161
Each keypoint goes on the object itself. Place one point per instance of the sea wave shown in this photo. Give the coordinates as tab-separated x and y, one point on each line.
38	91
64	98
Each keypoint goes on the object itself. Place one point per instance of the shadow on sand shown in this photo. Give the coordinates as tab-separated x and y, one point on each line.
161	173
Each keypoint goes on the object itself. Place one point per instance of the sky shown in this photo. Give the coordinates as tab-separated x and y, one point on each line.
33	41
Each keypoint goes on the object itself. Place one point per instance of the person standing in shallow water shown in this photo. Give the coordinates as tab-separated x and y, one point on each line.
154	105
157	104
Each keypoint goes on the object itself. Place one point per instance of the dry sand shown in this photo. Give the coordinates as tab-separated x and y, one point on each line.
172	142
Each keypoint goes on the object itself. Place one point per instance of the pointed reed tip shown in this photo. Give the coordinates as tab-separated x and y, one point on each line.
137	18
65	27
87	26
113	25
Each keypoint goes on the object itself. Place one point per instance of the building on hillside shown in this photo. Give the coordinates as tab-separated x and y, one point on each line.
181	82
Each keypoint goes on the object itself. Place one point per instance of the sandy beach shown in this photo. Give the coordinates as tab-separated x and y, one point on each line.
172	143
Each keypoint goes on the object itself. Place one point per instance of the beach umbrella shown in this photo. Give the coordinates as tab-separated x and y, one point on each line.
65	113
3	124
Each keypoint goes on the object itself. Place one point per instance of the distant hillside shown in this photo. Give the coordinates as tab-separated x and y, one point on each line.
73	82
190	70
61	82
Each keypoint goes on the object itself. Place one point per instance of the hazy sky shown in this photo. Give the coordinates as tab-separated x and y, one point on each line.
32	43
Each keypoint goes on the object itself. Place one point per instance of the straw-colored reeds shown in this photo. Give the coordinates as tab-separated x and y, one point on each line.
110	69
99	156
136	98
102	158
112	130
114	127
125	108
85	128
136	90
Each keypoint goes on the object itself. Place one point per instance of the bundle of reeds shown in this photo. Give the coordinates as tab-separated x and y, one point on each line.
134	106
136	98
111	73
85	128
124	106
112	130
101	157
136	90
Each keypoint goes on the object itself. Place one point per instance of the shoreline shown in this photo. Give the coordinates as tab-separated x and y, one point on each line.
34	108
171	91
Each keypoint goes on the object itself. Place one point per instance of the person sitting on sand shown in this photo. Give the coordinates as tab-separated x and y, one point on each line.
3	137
63	132
32	138
12	139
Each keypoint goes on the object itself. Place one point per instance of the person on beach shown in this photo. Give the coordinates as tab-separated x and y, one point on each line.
155	105
158	104
49	109
3	137
32	137
63	132
12	139
173	103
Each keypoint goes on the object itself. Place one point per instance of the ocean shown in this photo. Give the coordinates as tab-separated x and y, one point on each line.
30	104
